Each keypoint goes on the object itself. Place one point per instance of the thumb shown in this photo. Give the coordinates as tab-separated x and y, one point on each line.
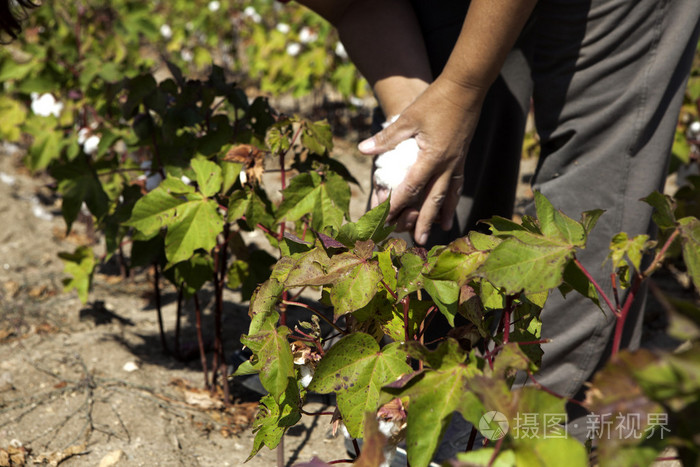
387	139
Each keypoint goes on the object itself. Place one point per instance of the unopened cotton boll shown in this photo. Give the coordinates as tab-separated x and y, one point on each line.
393	166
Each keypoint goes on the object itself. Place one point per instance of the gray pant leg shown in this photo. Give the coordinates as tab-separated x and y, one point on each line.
607	96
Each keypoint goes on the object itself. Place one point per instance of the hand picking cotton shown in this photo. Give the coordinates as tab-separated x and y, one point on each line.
392	166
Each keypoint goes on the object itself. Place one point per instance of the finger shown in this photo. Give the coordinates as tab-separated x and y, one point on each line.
447	211
387	139
430	209
407	220
411	191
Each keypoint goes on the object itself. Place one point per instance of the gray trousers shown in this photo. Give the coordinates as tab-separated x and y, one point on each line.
606	79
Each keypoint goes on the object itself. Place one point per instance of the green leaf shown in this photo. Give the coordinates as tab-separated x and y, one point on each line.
410	277
575	279
273	359
45	149
154	211
193	273
317	136
457	262
78	184
197	225
482	457
434	396
13	115
535	266
274	418
556	225
355	368
690	242
263	312
633	248
664	206
327	200
209	176
445	294
80	265
238	205
552	452
354	281
371	226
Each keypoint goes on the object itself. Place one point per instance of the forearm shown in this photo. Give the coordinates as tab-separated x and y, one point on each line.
384	41
488	34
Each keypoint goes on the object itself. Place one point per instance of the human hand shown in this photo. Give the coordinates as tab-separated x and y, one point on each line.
442	121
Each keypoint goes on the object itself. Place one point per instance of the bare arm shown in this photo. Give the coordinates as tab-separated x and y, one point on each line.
384	41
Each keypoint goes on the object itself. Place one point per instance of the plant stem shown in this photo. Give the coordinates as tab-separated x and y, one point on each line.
200	339
496	450
407	331
316	312
388	289
156	290
315	414
280	452
178	351
541	387
597	287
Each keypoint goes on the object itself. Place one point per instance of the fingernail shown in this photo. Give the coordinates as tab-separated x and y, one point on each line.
366	145
423	239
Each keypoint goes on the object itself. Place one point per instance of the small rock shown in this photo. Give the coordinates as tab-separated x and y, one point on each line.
130	367
112	458
6	381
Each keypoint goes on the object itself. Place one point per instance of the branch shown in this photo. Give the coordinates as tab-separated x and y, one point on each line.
597	287
316	312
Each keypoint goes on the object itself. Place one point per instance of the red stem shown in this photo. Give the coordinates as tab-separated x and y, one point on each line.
200	339
388	289
316	312
597	287
538	385
496	450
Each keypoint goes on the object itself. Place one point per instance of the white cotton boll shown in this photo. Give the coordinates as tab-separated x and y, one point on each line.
249	12
283	28
293	49
7	179
186	55
152	181
393	166
306	35
46	105
307	374
82	135
91	144
214	6
695	127
38	211
166	31
185	179
389	428
340	50
243	177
